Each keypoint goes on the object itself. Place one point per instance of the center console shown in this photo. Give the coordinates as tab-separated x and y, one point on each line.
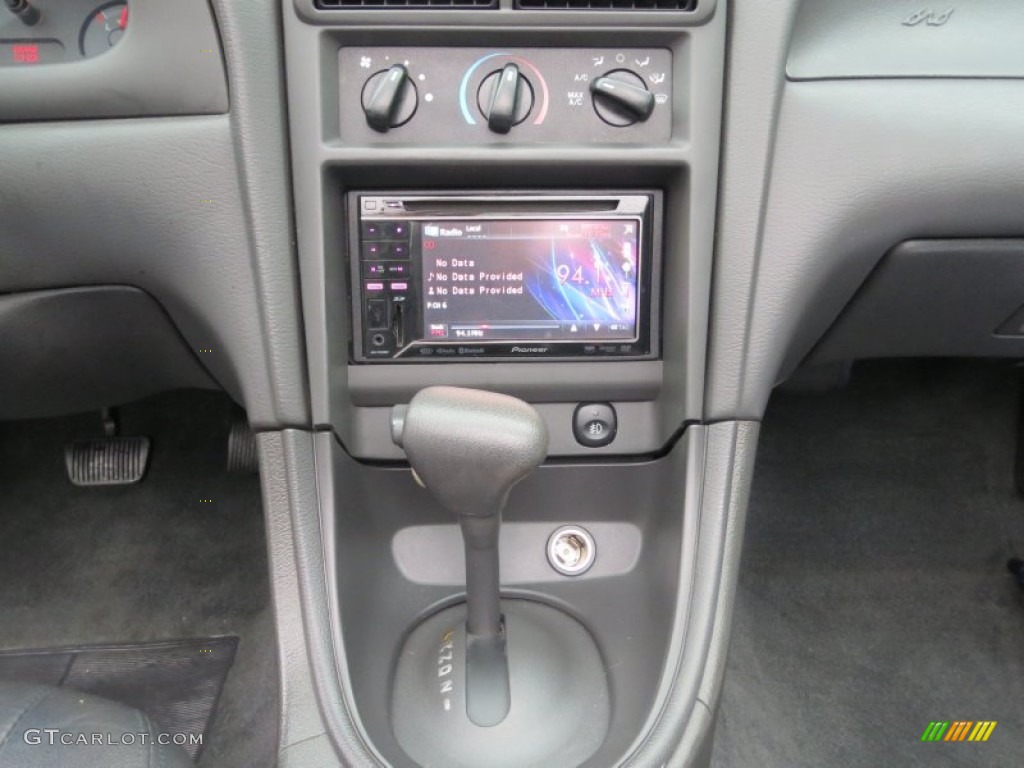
505	218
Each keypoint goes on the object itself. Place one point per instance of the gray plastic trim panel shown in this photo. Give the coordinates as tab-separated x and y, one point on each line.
288	480
251	31
685	169
433	554
679	732
348	485
301	523
720	460
641	430
385	385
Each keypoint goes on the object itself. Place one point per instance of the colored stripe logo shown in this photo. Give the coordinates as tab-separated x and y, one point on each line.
959	730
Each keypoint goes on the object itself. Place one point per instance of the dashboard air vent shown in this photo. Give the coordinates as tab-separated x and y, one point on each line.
607	5
378	5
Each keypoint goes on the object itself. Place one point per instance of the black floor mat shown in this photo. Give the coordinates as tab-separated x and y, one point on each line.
175	683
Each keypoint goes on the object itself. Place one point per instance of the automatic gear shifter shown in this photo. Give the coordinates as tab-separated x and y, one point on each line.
492	683
469	448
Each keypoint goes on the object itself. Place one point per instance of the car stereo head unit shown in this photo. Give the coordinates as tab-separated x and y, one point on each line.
462	277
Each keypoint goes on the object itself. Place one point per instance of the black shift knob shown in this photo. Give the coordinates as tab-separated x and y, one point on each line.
470	447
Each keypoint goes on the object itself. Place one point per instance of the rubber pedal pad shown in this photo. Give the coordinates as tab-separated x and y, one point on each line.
107	460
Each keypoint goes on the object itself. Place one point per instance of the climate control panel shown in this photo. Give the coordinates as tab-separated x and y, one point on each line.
420	95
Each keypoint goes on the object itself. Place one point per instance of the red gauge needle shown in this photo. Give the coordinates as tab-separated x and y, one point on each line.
122	22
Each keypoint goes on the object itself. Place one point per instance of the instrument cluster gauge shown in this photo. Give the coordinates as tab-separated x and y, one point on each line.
103	28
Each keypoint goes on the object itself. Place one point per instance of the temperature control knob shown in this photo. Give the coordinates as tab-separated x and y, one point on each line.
505	98
389	98
621	98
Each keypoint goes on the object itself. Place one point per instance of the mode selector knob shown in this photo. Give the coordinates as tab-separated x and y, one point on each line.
505	98
389	98
621	98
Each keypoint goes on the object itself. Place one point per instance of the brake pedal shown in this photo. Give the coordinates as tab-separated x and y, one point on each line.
108	460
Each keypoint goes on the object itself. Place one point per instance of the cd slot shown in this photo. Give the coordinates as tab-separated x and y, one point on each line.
479	207
398	323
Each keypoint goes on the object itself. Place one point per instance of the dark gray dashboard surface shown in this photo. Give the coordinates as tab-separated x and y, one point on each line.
168	63
935	298
193	210
118	342
821	179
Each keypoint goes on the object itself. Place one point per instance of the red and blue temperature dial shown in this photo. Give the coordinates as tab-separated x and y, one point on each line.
499	79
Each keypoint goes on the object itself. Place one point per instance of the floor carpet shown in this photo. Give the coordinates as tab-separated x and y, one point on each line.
873	596
181	554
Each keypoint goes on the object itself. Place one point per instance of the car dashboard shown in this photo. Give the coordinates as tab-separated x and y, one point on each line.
635	216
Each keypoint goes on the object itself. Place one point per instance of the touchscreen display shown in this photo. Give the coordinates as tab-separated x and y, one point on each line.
522	280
